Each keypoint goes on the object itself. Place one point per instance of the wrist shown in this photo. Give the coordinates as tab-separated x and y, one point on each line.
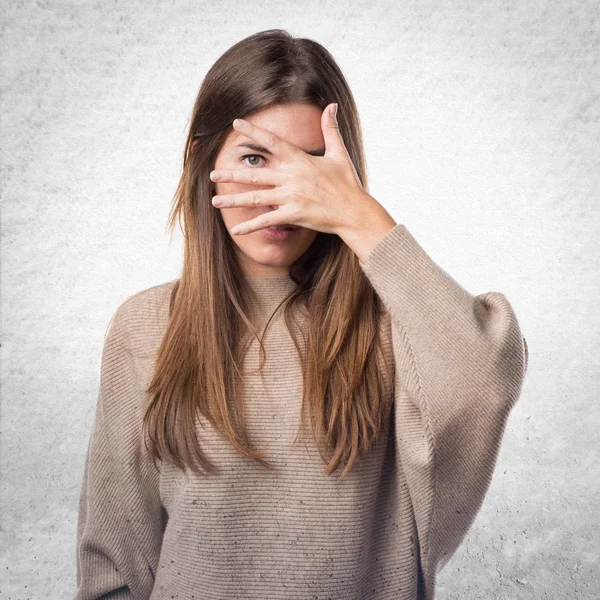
365	232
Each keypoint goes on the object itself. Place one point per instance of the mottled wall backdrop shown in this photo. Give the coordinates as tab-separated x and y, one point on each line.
481	122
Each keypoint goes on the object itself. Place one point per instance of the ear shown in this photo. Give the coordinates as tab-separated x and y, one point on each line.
193	144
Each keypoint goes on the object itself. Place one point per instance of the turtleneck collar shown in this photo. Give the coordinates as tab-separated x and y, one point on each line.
270	291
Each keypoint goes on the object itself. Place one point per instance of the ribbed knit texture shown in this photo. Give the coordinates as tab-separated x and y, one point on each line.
383	532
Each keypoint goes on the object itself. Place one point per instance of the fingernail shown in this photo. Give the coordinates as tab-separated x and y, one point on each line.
333	110
239	123
236	229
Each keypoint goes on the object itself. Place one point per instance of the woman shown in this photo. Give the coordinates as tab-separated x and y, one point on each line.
201	479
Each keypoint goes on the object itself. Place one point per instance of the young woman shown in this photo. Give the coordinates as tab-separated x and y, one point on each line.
307	412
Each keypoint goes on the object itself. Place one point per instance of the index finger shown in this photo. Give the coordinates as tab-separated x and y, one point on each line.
269	141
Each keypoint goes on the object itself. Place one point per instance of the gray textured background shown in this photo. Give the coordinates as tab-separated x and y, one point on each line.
481	123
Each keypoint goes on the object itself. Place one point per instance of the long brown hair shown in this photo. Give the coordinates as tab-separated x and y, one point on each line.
344	388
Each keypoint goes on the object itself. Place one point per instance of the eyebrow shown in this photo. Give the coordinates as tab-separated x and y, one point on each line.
257	148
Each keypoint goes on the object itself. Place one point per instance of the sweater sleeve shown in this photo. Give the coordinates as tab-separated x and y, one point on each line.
460	364
121	519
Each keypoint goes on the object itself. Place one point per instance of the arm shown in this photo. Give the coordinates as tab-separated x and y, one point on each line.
460	364
121	518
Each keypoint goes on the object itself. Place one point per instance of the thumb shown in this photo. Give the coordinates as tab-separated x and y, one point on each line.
334	144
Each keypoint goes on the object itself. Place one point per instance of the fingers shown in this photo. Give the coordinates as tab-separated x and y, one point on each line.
272	218
251	198
256	176
273	143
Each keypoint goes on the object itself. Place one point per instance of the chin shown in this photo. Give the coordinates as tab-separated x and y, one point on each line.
275	256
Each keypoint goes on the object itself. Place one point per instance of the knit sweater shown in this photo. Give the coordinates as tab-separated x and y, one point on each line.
382	532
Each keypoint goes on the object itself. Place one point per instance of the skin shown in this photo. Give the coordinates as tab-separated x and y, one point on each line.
303	177
299	124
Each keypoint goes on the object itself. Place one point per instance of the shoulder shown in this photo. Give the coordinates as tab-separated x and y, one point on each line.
147	304
140	320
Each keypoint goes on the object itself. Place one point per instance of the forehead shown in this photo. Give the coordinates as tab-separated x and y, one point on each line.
297	123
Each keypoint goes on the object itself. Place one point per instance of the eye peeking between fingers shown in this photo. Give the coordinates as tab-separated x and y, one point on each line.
251	156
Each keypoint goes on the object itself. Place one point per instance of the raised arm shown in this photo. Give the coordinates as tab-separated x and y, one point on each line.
460	364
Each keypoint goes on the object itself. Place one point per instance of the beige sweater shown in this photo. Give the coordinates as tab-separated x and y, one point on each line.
382	533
